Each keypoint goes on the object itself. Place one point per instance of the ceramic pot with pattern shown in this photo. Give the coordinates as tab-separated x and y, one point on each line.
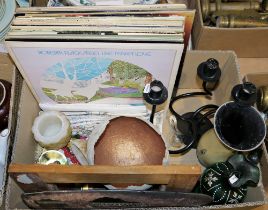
214	182
227	182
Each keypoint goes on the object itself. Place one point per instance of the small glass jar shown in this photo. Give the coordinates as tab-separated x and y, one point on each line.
5	94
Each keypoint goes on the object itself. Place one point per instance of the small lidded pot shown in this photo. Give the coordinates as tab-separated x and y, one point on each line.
5	94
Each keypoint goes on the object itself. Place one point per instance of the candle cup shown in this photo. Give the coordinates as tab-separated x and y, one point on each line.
52	130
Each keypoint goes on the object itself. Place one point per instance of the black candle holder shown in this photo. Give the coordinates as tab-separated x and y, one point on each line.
193	125
156	95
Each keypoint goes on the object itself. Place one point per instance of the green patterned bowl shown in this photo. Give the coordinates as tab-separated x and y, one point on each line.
215	182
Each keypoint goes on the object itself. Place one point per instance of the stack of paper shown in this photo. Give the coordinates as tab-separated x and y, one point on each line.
59	3
145	23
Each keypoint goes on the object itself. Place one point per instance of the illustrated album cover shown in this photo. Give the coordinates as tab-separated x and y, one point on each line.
91	76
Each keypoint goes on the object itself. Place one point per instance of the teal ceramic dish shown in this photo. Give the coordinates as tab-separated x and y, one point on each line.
6	16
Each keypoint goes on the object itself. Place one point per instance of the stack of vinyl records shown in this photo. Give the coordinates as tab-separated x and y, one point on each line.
7	9
137	23
58	3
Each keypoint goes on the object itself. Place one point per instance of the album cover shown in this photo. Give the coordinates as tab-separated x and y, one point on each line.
94	76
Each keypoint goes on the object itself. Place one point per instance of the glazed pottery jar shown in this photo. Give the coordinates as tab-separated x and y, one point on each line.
210	150
214	182
238	124
227	182
5	94
241	128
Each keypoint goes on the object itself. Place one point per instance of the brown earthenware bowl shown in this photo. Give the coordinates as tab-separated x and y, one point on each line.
129	141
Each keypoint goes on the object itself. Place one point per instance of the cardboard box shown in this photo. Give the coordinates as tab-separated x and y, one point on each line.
261	79
253	65
189	82
230	76
7	72
246	42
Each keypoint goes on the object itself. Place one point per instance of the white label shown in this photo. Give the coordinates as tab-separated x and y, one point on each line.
23	178
233	179
147	88
112	2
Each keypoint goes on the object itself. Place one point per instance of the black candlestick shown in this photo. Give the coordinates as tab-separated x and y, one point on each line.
245	94
193	125
156	95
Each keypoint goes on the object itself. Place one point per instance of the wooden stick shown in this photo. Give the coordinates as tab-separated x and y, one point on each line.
182	177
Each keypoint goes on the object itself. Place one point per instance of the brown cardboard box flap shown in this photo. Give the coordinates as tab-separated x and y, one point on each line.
261	79
246	42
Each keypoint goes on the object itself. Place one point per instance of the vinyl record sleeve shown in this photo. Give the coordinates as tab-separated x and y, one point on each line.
92	76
